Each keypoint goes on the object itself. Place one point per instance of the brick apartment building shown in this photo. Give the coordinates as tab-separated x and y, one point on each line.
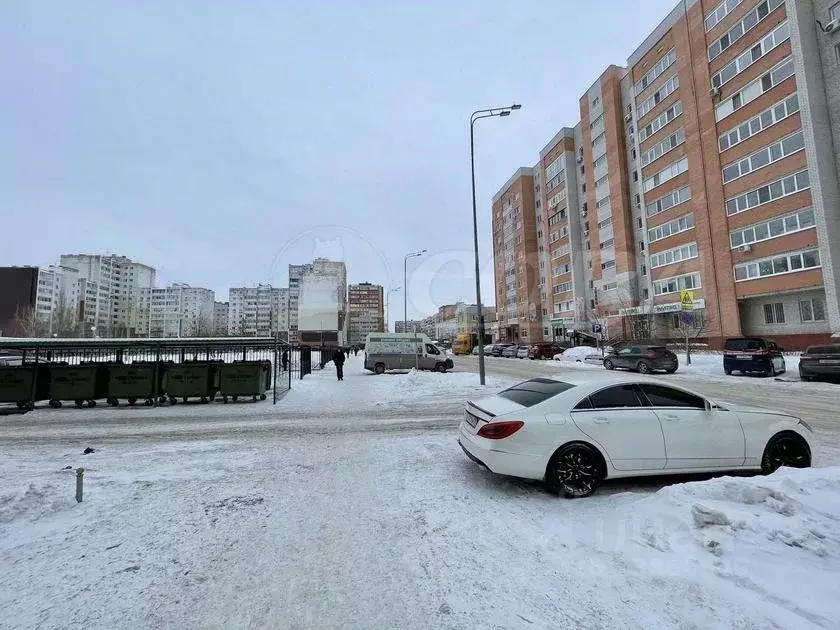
707	164
366	311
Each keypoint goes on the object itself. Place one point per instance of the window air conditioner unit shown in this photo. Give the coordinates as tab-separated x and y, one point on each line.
831	26
628	118
746	247
584	213
714	92
580	159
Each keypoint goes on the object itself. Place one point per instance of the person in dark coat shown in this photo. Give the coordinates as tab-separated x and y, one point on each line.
355	351
338	359
285	360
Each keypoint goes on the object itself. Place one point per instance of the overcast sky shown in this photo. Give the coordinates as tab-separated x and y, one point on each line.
221	141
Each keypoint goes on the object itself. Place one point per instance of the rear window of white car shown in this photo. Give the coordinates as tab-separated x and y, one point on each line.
534	391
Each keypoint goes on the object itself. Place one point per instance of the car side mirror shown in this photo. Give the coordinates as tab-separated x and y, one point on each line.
709	406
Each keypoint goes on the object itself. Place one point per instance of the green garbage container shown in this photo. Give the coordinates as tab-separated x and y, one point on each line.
135	381
198	379
244	378
18	385
82	384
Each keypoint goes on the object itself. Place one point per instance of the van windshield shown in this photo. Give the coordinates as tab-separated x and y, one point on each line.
744	344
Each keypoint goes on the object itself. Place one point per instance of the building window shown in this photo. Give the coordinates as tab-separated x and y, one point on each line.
812	310
750	20
774	313
676	284
666	202
657	123
745	60
659	67
671	256
758	123
764	157
661	148
789	185
608	264
778	265
657	97
666	174
752	91
717	14
774	228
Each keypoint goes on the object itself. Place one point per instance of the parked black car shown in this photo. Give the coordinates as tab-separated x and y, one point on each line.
499	348
820	362
644	359
753	355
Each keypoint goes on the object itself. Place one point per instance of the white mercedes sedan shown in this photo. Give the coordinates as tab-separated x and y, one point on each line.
575	435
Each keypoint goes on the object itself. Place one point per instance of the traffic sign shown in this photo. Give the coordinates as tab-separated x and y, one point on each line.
596	328
688	318
687	300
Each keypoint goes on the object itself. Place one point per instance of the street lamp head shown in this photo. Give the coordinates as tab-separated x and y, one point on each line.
516	106
504	112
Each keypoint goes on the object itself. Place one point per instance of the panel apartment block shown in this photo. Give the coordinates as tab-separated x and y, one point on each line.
516	260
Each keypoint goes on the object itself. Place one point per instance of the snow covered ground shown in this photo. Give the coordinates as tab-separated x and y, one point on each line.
350	505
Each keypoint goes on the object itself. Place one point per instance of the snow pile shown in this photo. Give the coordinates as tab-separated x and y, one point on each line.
33	502
777	538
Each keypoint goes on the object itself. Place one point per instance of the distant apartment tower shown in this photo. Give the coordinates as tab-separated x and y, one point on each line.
295	274
412	325
257	311
322	303
178	310
516	260
109	291
220	318
366	311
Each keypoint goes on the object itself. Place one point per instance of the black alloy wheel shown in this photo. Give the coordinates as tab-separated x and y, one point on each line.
785	449
576	470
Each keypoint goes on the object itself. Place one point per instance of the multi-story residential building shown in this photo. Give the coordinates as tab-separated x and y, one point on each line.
258	311
707	169
57	303
322	305
110	295
295	274
221	312
178	310
366	311
516	259
560	242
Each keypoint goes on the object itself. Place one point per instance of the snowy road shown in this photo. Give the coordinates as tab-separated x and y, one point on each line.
350	505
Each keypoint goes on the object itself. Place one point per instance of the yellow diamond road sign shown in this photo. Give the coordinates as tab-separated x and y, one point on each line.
687	300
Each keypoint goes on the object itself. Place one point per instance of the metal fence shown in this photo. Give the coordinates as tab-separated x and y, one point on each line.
287	363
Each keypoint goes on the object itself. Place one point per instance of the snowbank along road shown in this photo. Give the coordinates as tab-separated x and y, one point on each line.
350	505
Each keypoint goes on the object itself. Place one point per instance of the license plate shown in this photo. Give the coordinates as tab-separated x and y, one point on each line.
470	419
830	361
744	356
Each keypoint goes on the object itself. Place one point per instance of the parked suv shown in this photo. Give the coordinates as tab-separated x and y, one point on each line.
522	352
544	350
644	359
820	362
753	354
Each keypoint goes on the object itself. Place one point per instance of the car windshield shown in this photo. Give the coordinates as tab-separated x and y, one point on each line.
535	391
744	344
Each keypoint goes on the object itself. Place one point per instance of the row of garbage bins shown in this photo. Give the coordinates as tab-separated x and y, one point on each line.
146	381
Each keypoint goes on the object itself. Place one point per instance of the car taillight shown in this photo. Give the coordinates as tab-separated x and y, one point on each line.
500	430
650	355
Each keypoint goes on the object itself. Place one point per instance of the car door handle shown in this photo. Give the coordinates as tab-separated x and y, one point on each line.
601	420
672	418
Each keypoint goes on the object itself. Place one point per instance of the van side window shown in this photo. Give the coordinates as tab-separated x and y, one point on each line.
430	349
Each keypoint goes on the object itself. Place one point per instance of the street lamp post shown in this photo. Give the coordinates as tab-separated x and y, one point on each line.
387	305
405	285
478	115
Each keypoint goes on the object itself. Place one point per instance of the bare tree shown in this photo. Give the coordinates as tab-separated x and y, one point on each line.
26	323
203	327
65	322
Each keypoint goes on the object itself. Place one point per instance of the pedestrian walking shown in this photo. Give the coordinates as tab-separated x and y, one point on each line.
338	359
285	360
355	351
